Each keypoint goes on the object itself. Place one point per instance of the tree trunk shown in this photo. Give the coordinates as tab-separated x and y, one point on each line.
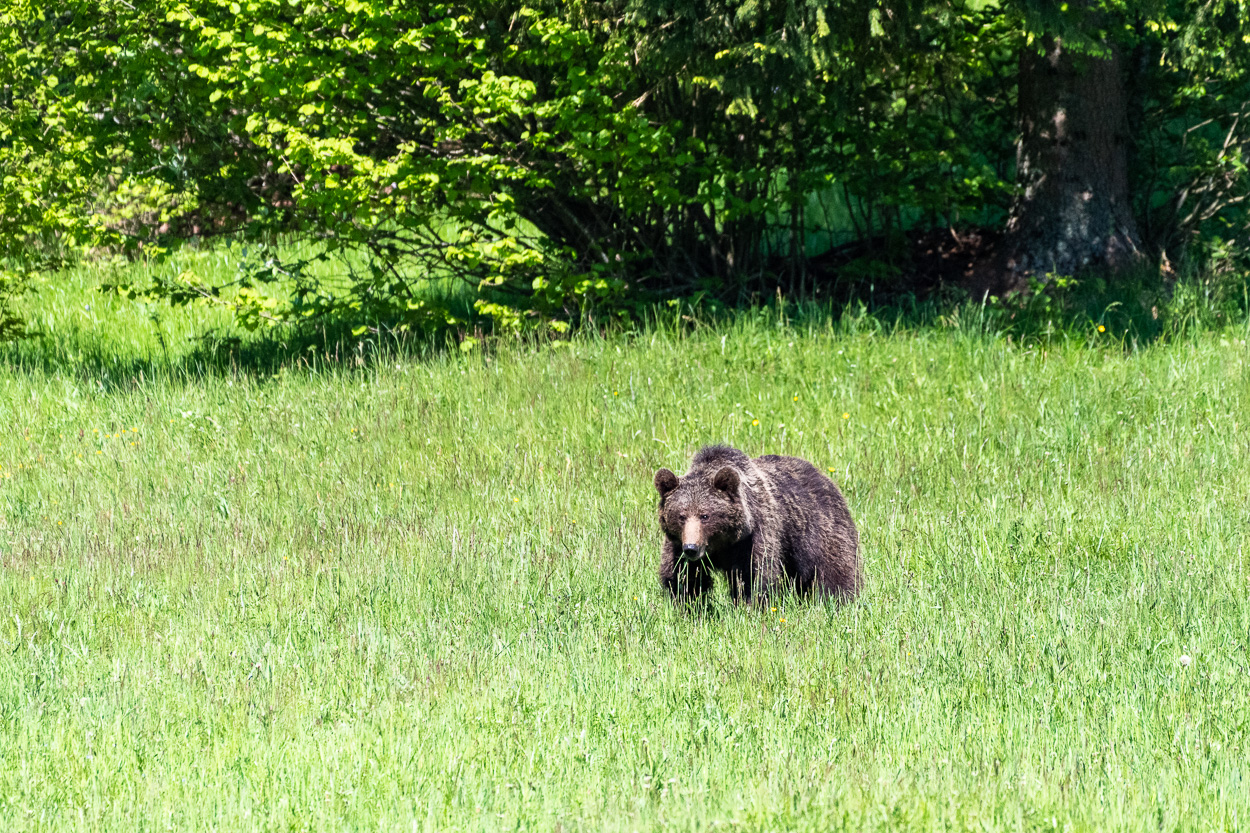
1073	210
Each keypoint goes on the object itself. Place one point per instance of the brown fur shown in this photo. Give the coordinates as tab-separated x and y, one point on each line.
767	523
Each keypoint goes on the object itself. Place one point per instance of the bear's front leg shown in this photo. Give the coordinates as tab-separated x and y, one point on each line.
686	581
767	575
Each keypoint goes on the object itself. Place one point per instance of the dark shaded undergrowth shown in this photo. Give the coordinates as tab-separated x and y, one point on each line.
112	340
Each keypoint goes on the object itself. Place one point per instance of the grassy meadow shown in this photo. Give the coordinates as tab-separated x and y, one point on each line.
386	589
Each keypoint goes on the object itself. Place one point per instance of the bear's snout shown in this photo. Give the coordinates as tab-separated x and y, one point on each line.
692	540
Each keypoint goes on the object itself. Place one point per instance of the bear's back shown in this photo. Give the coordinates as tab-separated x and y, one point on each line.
819	540
793	474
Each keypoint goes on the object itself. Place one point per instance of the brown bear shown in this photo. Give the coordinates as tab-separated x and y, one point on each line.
768	523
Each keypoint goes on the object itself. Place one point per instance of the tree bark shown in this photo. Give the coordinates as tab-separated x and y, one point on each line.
1073	210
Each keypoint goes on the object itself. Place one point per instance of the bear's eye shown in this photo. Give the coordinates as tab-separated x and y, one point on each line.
681	518
703	517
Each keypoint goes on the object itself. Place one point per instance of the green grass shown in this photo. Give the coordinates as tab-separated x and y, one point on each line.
397	593
115	335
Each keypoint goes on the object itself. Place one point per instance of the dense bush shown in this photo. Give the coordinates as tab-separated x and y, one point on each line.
564	158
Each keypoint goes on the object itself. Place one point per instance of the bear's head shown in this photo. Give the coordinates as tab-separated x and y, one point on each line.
702	514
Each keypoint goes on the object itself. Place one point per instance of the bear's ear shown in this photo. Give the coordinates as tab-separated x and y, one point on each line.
727	481
665	482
